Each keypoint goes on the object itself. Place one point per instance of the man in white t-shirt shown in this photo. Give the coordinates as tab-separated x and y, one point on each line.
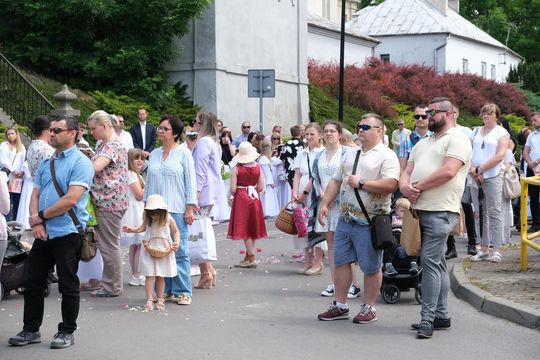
433	181
123	135
531	155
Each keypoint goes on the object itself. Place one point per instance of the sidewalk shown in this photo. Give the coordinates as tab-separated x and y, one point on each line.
501	289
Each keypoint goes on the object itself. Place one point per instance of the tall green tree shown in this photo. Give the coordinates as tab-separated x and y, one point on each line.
96	44
517	20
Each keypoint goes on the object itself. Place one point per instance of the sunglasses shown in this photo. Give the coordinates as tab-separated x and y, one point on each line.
366	127
276	138
246	127
434	112
57	130
399	124
418	117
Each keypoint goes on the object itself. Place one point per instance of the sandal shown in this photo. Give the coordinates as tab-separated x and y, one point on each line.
160	305
496	257
149	306
102	293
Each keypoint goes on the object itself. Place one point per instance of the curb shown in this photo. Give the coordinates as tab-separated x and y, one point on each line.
490	304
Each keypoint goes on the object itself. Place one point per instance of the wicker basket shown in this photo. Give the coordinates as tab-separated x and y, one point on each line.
285	220
157	247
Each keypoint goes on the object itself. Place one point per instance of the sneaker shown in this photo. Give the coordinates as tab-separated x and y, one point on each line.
471	249
451	253
390	270
334	313
480	256
135	281
366	315
142	280
184	299
425	330
354	292
438	324
62	340
170	298
329	291
102	293
413	268
24	338
496	257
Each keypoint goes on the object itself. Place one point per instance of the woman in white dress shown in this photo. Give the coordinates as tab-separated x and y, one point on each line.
268	197
301	194
134	215
326	164
12	155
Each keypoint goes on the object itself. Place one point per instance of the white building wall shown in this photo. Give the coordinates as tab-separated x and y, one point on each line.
413	49
475	53
326	49
234	36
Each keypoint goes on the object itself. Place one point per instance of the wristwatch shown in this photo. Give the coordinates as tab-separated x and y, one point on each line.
41	215
361	184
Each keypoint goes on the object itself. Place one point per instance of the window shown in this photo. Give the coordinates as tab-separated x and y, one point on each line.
493	72
385	58
465	69
484	69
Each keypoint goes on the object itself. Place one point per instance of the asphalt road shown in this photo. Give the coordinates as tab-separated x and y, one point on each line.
264	313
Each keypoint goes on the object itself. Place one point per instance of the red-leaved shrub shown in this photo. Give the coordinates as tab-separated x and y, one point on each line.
377	86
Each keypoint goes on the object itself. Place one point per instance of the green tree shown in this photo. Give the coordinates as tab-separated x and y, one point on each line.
516	19
97	44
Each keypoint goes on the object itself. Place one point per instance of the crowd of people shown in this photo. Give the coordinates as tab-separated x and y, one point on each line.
137	190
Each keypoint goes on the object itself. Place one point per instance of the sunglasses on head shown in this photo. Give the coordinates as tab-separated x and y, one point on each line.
418	117
366	127
57	130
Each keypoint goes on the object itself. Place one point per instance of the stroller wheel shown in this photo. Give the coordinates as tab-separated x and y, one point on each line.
390	294
418	294
20	290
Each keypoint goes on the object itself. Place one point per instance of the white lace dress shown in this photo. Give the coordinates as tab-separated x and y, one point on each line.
327	169
151	266
133	216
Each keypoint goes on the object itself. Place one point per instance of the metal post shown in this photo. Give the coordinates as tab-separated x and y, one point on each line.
261	93
341	62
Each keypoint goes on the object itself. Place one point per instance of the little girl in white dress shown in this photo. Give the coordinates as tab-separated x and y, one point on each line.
269	197
157	224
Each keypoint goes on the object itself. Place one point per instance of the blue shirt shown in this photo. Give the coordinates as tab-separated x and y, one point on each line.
174	178
72	168
407	145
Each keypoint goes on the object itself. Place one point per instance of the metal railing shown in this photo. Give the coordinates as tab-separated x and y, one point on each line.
527	239
18	97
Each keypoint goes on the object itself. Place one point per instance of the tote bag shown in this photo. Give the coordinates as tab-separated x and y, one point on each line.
410	233
201	241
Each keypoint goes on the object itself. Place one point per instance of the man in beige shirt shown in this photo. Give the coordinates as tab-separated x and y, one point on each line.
376	178
433	181
400	135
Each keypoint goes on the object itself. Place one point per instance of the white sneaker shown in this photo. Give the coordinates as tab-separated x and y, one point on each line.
134	281
142	280
329	291
480	256
353	293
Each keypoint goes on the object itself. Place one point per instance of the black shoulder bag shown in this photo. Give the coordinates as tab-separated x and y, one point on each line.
88	241
314	238
381	225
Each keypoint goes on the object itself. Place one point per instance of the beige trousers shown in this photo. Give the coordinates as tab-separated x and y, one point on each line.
108	237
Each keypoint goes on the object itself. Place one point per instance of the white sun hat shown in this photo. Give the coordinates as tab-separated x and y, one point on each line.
246	153
155	202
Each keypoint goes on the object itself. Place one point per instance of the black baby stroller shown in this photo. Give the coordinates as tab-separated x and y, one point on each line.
403	279
392	286
11	276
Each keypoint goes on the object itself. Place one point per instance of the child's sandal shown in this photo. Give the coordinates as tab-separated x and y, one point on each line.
149	306
160	304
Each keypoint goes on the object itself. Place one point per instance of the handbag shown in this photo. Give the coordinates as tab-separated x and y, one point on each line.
411	237
381	225
285	220
89	243
301	216
201	241
511	184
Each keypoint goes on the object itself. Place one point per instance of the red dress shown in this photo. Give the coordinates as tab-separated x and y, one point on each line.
247	218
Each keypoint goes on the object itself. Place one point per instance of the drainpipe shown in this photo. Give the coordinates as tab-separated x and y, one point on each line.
436	54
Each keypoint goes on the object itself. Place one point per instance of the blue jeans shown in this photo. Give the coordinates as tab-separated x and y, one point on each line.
435	227
181	283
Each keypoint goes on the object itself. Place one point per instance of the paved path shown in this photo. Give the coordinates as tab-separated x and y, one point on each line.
264	313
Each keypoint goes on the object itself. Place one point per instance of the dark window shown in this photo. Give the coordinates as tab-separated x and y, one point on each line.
385	58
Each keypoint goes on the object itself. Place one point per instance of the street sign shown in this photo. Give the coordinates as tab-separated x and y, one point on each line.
264	79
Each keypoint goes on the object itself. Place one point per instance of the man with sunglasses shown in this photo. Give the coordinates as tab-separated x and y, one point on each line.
399	135
246	129
375	177
433	181
57	240
420	131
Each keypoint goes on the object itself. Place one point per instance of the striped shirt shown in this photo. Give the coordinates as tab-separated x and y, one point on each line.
174	178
